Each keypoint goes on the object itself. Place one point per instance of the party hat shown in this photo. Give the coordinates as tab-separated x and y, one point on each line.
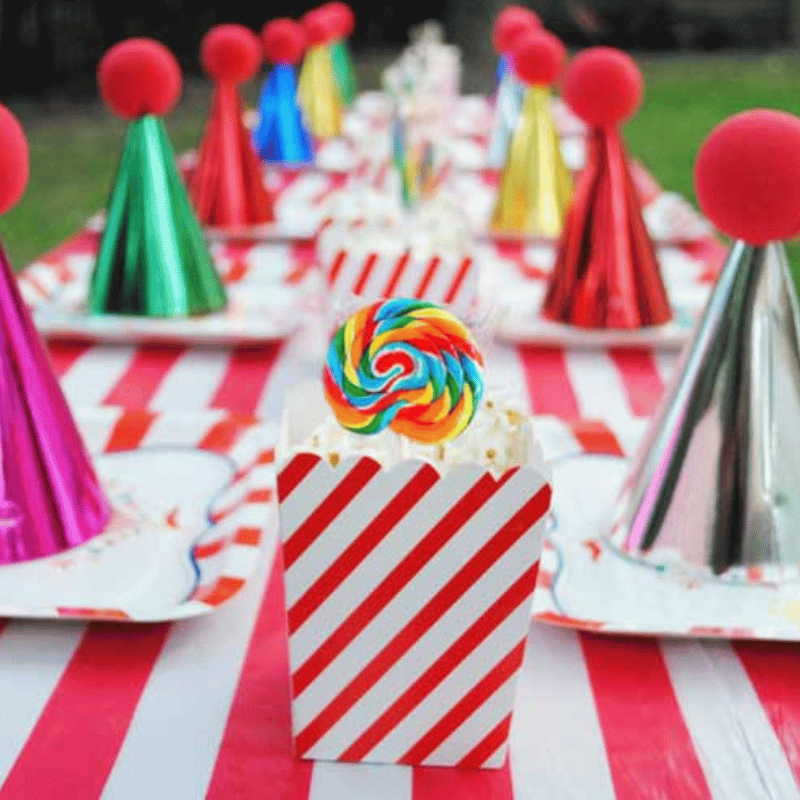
281	136
153	259
227	187
317	90
50	498
606	274
535	185
510	23
717	482
343	23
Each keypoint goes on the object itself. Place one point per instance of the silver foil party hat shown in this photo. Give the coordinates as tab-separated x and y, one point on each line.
716	483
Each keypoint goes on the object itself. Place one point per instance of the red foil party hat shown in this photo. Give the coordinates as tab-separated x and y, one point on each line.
50	499
227	187
606	273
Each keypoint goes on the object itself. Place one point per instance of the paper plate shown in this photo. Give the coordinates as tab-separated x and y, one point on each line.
514	301
586	582
268	301
192	499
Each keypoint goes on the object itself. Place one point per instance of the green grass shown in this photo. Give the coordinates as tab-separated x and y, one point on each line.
74	147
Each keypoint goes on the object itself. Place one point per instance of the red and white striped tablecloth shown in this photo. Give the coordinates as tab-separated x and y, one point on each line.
200	709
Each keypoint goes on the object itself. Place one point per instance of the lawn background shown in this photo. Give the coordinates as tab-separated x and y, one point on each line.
75	144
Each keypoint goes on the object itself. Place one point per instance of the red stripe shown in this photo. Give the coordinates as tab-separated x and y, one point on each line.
244	380
210	548
64	354
463	270
146	372
330	508
774	671
79	733
294	472
641	720
428	276
435	783
549	385
366	271
362	546
643	384
465	707
129	431
224	435
336	267
595	436
397	274
255	756
392	584
487	746
517	593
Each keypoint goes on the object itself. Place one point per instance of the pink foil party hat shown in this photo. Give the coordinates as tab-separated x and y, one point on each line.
50	498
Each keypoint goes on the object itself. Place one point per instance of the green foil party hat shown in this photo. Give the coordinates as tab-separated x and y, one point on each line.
153	259
344	71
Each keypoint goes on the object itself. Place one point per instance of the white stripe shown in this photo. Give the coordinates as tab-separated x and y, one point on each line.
172	428
299	361
25	688
355	517
92	377
480	723
557	746
598	386
332	781
176	732
192	381
666	364
481	660
741	756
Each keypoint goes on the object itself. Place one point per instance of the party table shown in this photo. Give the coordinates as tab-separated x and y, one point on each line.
199	708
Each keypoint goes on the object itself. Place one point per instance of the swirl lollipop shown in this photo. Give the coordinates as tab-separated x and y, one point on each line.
407	365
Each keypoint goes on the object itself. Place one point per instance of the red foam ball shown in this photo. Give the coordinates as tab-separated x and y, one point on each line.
343	18
538	57
603	86
747	176
138	77
510	23
230	53
13	160
319	26
284	41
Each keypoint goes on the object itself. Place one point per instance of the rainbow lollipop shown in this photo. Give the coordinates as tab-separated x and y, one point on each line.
407	365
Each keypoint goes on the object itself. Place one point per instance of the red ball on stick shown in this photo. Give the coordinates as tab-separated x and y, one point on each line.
319	26
138	77
230	53
603	86
284	41
14	160
343	18
538	57
510	23
747	176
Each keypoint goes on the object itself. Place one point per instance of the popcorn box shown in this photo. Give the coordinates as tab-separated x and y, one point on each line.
373	263
408	593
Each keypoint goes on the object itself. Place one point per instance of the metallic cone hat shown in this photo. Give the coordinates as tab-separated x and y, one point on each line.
344	71
717	481
153	258
227	187
606	274
317	90
50	498
535	185
718	478
281	135
505	115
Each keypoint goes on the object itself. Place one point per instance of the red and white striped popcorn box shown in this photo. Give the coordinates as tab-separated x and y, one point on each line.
377	262
408	594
